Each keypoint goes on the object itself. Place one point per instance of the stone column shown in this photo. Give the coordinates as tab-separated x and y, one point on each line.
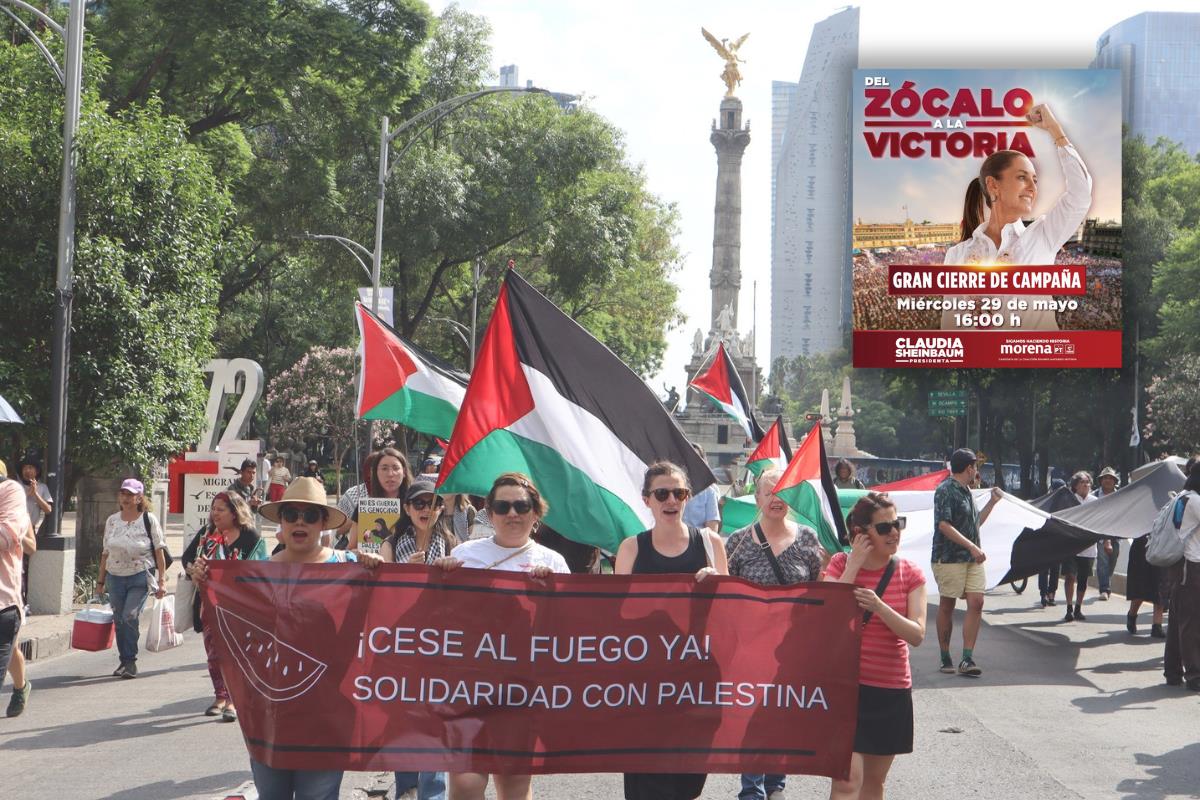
729	139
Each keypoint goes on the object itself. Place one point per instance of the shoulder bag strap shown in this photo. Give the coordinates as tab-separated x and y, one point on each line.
881	587
765	546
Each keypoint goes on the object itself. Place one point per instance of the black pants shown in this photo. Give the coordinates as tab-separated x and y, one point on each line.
10	624
1048	581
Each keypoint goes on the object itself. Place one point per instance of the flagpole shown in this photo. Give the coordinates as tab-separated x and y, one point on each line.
754	340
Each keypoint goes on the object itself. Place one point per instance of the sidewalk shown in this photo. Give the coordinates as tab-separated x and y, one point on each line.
47	635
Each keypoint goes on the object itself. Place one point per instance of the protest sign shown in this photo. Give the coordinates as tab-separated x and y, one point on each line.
410	668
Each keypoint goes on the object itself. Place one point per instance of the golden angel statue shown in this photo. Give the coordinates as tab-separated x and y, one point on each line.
731	75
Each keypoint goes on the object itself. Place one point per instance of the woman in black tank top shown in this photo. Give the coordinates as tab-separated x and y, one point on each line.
670	547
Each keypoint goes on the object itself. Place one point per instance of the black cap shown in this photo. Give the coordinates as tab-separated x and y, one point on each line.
419	488
247	463
961	459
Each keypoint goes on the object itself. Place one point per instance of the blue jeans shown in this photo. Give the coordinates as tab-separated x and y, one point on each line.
1105	564
295	784
127	595
758	787
429	785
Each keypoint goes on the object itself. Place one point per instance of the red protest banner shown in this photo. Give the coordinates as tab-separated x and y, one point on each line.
409	668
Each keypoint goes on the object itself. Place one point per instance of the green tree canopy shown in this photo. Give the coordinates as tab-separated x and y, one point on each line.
152	222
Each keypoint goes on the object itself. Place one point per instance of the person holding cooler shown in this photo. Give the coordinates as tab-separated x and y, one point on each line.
132	566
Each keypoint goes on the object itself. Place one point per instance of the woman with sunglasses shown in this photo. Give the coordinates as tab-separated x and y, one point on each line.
894	619
229	534
669	548
421	537
390	477
302	515
515	507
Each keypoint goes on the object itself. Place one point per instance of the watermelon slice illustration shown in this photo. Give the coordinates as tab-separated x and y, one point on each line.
276	669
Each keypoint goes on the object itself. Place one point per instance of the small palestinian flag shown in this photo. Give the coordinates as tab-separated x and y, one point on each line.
721	384
772	452
403	383
549	400
807	486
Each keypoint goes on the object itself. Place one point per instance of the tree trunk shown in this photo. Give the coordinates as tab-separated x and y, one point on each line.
97	502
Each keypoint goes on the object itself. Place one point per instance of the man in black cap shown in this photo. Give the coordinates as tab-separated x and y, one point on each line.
957	558
246	483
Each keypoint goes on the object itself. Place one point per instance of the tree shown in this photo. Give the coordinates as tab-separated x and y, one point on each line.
1174	426
151	225
314	399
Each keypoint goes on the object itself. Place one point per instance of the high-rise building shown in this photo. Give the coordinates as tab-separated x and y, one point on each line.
782	94
1158	54
810	240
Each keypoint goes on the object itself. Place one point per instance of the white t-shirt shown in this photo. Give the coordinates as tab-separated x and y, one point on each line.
128	546
486	554
1091	551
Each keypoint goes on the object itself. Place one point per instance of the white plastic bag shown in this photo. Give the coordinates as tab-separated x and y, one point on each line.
161	634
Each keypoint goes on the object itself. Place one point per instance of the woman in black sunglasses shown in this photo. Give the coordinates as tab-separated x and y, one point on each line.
670	547
891	593
422	535
514	505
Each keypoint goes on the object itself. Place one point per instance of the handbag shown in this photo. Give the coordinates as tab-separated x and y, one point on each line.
185	602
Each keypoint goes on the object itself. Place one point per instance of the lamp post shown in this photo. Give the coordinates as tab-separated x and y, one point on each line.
70	76
419	124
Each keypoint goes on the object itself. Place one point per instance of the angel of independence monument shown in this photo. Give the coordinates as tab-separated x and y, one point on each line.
722	439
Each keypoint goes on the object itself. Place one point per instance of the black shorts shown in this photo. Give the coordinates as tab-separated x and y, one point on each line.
885	721
1082	567
10	625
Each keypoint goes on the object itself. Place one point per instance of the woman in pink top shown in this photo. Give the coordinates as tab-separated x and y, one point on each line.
896	620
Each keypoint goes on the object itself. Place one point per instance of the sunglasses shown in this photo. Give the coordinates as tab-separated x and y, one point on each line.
422	503
502	507
884	528
661	495
291	514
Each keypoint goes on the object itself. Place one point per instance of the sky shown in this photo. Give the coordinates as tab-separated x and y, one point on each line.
645	66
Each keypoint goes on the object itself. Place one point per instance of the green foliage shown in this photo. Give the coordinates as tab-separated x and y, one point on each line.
1173	410
151	225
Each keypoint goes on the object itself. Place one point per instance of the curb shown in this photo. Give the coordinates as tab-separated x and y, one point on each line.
48	646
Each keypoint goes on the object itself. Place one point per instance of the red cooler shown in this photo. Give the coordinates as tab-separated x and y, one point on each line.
93	629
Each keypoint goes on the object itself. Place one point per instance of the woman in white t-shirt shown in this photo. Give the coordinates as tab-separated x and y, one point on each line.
1007	190
514	505
132	556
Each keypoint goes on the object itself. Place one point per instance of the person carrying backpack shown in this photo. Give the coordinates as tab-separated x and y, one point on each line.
1181	661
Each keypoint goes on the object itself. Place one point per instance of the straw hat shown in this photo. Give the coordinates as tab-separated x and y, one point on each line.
308	492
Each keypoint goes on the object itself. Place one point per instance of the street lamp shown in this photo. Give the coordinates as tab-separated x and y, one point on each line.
456	326
421	123
70	75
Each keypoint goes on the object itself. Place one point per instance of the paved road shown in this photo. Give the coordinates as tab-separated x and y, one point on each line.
1062	711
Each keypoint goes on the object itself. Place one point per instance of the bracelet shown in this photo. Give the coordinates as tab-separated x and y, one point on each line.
1064	138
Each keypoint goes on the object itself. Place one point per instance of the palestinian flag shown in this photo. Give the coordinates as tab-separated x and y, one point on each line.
772	452
403	383
807	486
721	384
549	400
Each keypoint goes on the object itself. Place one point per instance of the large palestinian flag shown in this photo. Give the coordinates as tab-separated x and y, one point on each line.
549	400
807	486
403	383
773	452
721	384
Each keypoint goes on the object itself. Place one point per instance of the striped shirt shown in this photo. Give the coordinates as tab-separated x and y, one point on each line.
884	659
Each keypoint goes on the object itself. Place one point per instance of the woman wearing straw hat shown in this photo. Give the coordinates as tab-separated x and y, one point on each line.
302	514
